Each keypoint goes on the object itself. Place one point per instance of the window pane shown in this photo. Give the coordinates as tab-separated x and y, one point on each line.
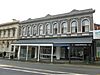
29	31
74	26
86	24
41	29
34	30
86	28
55	28
64	27
48	29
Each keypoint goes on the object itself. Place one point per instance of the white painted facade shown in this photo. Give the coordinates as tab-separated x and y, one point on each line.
8	35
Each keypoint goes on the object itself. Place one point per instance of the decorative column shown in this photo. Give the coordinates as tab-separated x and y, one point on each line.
69	53
38	53
52	54
19	52
14	50
27	54
10	51
35	52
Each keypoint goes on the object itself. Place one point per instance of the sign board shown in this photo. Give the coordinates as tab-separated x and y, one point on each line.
96	34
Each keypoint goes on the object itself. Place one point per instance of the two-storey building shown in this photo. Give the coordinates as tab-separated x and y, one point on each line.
8	35
63	36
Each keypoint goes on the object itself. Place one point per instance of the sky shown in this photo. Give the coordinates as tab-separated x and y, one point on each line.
24	9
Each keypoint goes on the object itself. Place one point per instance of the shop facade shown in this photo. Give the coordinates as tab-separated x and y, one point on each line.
56	37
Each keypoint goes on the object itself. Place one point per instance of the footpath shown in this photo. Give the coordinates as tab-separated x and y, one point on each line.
96	64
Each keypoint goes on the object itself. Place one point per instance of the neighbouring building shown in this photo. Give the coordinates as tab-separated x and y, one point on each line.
56	37
96	37
8	35
96	26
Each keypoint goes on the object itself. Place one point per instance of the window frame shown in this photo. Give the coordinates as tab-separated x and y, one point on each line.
64	27
41	29
85	26
48	29
34	29
55	29
29	30
74	27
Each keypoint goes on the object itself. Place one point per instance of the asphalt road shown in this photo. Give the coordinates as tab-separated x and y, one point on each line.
9	67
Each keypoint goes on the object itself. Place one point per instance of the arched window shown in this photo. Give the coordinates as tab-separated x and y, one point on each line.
64	28
55	28
85	25
28	30
48	29
74	26
41	29
23	31
34	30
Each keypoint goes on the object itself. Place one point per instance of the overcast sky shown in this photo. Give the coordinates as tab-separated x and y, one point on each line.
24	9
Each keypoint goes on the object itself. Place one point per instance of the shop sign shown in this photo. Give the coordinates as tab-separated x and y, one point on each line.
96	34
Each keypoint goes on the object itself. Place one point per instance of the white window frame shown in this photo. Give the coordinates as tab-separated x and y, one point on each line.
64	27
85	25
24	31
71	25
46	30
28	30
53	28
34	29
41	29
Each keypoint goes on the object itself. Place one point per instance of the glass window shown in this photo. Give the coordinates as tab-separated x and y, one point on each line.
24	31
55	28
8	32
74	27
13	32
41	29
85	25
64	27
28	30
48	29
34	30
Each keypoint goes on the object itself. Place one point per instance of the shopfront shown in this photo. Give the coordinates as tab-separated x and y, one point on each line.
54	49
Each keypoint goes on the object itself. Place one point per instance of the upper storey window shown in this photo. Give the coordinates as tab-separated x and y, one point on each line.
13	32
28	30
34	30
23	31
55	28
8	32
41	29
64	28
48	29
74	26
85	25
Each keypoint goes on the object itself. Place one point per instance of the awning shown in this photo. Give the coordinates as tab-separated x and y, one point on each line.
61	44
56	41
